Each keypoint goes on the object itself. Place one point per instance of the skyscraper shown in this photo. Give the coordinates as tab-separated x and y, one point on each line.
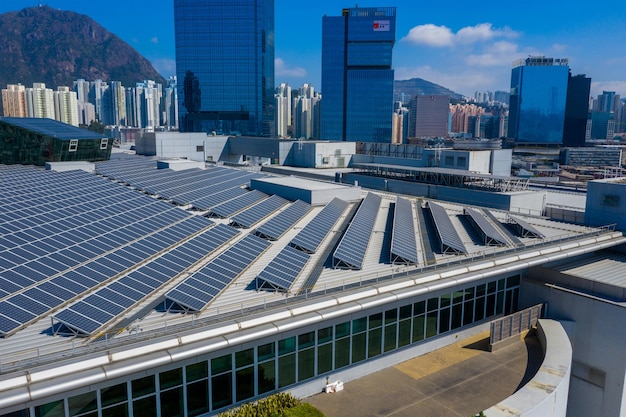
537	103
225	65
576	110
357	79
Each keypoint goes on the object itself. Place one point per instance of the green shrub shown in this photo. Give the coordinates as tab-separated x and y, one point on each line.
302	410
272	406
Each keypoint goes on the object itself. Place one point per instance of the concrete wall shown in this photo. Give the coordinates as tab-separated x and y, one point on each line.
501	160
597	335
606	203
546	394
323	154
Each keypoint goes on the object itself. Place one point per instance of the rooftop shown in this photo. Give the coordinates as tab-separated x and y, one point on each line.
50	127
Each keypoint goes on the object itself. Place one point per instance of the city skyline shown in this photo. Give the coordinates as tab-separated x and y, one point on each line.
469	50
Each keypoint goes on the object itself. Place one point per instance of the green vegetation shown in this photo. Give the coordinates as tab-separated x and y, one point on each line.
277	405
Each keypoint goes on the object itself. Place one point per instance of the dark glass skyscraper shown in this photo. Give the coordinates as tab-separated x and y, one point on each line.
538	97
357	79
576	110
225	66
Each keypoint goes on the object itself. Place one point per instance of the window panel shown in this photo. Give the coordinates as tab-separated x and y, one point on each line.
358	347
143	386
342	352
286	370
390	337
324	358
172	402
374	342
221	390
197	371
245	383
113	395
266	376
145	407
306	364
198	398
404	332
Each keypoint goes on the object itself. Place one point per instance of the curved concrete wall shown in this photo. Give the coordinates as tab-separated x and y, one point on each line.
546	394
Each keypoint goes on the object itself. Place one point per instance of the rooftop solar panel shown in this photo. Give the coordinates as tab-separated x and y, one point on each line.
404	236
448	236
351	250
310	238
524	228
258	212
50	127
284	269
236	205
275	227
491	235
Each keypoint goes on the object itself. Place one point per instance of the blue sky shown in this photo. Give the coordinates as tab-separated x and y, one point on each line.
465	46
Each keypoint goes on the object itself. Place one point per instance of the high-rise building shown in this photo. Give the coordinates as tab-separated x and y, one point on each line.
306	113
118	104
225	66
14	101
40	101
66	106
170	104
576	110
538	98
283	110
357	77
429	116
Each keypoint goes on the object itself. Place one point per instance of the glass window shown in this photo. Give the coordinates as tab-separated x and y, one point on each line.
113	395
433	304
306	340
244	383
286	369
221	364
480	290
197	371
419	308
404	333
431	324
445	300
390	337
82	403
359	325
143	386
479	309
266	376
120	410
376	320
374	342
358	347
468	312
286	345
198	398
391	316
513	281
53	409
500	302
469	293
444	320
501	284
491	305
171	378
457	316
342	352
265	352
342	330
325	335
145	407
405	312
172	402
324	358
221	389
306	364
491	287
244	358
457	297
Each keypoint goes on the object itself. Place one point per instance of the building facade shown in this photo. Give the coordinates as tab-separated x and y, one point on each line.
225	66
538	98
357	74
576	110
14	101
429	116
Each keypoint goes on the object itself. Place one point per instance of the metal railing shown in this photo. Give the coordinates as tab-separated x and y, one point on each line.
514	324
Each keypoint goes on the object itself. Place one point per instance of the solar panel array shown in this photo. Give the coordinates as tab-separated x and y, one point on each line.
403	238
252	215
448	236
526	229
310	238
231	207
488	231
203	286
91	314
62	234
351	250
275	227
200	188
284	269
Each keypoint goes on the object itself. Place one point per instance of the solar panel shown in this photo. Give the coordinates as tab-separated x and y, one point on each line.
258	212
275	227
284	269
235	205
403	238
310	238
350	252
491	235
204	285
448	236
525	229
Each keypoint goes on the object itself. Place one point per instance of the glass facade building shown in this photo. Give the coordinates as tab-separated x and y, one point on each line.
576	110
537	102
258	368
357	79
225	66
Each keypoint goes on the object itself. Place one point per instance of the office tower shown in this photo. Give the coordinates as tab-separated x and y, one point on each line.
537	103
118	103
66	106
576	110
39	101
357	79
283	110
14	101
429	116
225	66
170	104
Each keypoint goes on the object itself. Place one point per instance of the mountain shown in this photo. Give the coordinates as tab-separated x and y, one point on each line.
42	44
416	86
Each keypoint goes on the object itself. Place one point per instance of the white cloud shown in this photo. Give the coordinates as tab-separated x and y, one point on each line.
501	53
282	70
441	36
430	35
165	66
597	87
154	40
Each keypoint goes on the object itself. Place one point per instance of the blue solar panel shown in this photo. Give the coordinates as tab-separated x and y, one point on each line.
351	250
283	221
490	234
525	229
258	212
403	239
310	238
284	269
448	236
236	205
